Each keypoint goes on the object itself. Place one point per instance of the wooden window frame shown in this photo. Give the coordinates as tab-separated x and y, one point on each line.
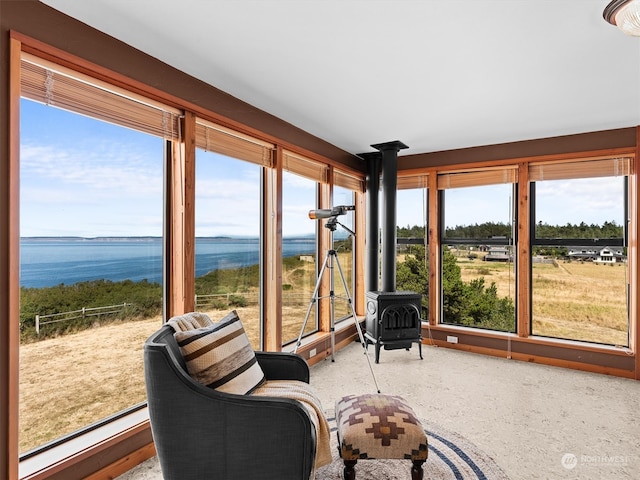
507	174
75	452
576	169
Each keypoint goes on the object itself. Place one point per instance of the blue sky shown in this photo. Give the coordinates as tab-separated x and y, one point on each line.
84	177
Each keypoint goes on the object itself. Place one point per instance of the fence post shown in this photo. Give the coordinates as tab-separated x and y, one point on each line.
37	324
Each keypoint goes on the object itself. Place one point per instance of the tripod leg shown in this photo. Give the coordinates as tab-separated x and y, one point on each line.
332	303
314	298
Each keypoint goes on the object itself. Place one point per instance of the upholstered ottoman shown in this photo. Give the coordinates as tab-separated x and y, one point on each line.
379	426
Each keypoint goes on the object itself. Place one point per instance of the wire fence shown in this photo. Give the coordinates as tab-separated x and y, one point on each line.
220	300
84	312
242	299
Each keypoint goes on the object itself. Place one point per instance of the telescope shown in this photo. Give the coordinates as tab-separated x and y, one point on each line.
330	212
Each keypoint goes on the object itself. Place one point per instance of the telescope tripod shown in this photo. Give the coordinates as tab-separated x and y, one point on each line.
329	260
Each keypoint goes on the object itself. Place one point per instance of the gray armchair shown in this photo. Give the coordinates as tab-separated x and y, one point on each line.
201	433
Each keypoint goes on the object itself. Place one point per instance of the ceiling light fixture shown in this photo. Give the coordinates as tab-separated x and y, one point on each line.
624	14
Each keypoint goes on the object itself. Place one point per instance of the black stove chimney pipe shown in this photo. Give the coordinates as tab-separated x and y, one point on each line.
372	240
389	151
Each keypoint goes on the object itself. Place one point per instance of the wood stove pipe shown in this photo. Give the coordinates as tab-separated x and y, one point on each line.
373	224
389	153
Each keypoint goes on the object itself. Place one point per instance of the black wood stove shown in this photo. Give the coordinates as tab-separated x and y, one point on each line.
393	320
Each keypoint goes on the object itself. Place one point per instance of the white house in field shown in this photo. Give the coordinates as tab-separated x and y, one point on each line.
498	254
611	255
604	255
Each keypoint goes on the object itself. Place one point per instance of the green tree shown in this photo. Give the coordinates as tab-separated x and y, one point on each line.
471	304
453	290
413	274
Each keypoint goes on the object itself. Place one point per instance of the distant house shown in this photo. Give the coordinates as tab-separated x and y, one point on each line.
604	255
583	254
611	255
498	254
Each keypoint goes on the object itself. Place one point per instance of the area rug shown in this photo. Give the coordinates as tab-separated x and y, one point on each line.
451	456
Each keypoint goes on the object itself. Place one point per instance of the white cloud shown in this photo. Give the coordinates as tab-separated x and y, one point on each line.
93	192
590	200
113	170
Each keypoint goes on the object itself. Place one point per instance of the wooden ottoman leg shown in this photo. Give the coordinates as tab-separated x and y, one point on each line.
349	470
416	470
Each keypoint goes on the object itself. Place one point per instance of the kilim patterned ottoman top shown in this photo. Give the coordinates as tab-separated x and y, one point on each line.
379	426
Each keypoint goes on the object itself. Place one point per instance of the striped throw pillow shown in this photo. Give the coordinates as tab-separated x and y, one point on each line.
220	356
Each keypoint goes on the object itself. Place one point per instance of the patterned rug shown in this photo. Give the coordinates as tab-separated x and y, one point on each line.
450	457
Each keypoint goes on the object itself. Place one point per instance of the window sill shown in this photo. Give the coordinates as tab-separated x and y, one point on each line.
83	455
592	357
540	340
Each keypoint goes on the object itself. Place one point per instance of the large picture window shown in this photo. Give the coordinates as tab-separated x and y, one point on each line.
478	273
91	267
301	179
579	265
227	225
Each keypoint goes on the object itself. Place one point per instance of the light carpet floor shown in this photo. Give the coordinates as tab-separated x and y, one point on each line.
535	422
450	457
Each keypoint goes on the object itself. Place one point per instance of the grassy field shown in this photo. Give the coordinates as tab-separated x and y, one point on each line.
581	301
101	373
71	381
571	300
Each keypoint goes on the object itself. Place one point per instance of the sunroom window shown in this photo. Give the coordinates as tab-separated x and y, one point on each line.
227	224
91	227
579	263
477	243
300	183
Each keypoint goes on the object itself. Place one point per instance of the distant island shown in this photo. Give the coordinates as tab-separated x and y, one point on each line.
149	238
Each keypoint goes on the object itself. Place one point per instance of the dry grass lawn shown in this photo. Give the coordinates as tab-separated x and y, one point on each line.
72	381
571	300
581	301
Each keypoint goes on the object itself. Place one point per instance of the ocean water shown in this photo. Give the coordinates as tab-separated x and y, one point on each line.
52	261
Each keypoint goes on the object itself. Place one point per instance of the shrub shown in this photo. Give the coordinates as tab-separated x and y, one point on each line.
237	301
471	304
142	299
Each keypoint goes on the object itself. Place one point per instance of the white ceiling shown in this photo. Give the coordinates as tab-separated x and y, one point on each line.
435	74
